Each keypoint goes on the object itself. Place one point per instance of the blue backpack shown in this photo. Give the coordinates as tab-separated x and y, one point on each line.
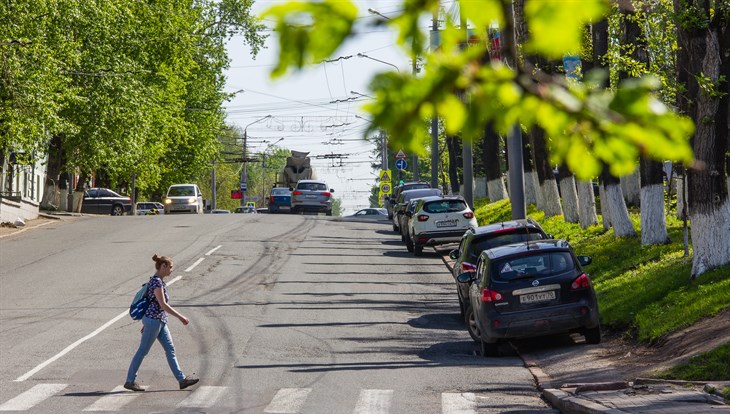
140	303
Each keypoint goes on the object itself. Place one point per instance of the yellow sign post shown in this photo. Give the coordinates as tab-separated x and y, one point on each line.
385	176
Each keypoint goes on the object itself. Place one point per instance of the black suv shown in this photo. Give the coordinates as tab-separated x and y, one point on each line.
530	289
474	242
393	199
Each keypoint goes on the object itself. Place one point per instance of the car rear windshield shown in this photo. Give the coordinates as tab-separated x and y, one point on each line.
488	241
445	206
426	192
407	187
312	186
534	265
279	191
181	191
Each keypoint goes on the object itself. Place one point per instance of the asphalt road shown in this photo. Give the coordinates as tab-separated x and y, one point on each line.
289	314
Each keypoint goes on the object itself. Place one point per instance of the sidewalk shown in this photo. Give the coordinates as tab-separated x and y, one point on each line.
640	396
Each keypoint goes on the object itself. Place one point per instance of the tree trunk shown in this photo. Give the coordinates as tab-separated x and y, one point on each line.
569	195
605	213
614	201
700	56
586	204
454	148
631	187
548	198
531	184
492	166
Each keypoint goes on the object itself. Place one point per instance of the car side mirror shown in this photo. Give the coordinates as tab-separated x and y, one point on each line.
466	277
454	254
332	190
585	260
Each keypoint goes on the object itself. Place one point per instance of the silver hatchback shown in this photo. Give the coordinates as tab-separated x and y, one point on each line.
312	196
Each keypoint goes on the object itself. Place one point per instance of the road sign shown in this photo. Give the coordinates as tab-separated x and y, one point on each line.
385	176
385	188
244	186
401	164
236	194
401	155
250	204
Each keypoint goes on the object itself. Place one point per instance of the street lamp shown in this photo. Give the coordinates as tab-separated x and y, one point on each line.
244	172
362	55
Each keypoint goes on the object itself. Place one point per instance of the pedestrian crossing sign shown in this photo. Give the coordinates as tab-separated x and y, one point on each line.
385	175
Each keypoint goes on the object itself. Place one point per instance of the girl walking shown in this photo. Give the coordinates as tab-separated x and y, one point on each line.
154	326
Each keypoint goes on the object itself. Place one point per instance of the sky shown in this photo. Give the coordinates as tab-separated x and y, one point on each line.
316	110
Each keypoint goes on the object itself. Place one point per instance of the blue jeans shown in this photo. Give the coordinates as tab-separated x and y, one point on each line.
154	329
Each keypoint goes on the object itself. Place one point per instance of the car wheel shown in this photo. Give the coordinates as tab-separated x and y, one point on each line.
471	324
417	249
489	349
117	210
592	335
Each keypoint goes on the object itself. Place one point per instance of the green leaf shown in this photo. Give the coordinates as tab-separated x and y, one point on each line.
453	112
483	13
556	26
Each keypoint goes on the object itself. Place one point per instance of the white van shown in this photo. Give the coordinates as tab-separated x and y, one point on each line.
184	198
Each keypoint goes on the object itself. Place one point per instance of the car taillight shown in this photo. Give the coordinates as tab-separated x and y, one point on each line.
422	217
489	295
581	282
468	267
469	215
326	194
271	199
296	193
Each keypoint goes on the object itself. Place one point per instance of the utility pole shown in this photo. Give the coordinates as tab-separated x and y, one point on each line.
415	155
435	119
514	139
384	146
244	169
467	152
213	189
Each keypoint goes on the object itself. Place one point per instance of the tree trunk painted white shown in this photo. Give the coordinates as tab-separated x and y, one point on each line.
681	196
569	195
631	185
531	187
550	198
480	188
586	204
711	239
653	220
496	190
605	213
620	220
51	197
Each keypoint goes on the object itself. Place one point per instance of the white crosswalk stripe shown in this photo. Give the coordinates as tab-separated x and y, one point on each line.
458	403
203	397
30	398
373	402
114	401
288	401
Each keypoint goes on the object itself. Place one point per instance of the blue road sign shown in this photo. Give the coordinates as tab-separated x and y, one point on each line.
401	164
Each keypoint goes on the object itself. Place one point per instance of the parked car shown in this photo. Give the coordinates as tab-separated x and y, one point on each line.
184	198
105	201
279	199
147	208
220	211
475	241
370	214
312	196
403	224
439	220
404	197
245	210
391	201
530	289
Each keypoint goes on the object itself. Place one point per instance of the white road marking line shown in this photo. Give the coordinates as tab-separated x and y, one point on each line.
458	403
214	249
31	397
114	401
197	262
288	401
203	397
79	342
373	402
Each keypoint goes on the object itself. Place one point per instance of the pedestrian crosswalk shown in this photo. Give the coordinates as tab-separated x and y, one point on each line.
283	401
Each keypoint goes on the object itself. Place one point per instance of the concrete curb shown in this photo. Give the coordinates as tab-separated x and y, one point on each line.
567	403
